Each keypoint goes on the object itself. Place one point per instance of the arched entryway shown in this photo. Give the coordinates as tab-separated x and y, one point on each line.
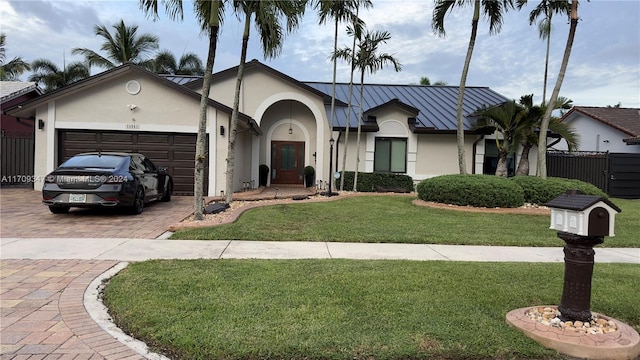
290	133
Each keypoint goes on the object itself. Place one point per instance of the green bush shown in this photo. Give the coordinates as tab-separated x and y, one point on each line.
377	182
540	191
473	190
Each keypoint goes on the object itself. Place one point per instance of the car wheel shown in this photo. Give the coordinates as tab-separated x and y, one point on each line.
59	209
138	202
166	197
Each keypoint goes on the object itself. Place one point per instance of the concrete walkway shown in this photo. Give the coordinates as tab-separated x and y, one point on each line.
141	249
49	287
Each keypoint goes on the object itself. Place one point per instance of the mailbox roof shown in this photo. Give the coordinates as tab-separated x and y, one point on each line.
579	202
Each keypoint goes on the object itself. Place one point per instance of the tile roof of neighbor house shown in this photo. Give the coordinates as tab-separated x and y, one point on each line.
12	89
626	120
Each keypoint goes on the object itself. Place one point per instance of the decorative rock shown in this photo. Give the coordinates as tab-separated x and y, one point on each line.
578	324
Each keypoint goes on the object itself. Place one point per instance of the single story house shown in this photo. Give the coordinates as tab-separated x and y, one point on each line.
611	129
284	123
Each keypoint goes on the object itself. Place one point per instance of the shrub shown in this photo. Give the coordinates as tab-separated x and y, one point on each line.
473	190
263	174
377	182
309	170
540	191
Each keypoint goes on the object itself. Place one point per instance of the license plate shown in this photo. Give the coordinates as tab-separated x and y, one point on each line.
77	198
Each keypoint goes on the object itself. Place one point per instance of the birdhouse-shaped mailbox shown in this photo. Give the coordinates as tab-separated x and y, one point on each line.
583	215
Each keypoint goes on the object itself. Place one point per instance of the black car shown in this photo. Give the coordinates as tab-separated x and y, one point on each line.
107	179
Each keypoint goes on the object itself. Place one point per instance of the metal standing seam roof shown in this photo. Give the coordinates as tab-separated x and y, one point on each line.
436	105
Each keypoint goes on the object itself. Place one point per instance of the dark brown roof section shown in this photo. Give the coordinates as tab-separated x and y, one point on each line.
117	71
255	64
626	120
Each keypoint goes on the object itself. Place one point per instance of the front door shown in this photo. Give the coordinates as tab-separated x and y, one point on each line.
287	162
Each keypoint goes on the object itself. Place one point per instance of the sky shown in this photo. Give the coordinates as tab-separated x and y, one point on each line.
604	68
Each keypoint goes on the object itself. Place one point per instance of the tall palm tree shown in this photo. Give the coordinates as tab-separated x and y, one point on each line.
52	78
339	11
544	126
507	120
210	14
546	8
189	64
13	69
267	14
123	46
367	60
534	118
493	10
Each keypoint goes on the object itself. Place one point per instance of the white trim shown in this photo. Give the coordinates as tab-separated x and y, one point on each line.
50	128
123	127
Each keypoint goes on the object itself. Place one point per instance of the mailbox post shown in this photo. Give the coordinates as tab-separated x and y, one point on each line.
582	221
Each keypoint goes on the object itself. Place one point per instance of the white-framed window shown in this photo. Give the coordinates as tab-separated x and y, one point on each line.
390	155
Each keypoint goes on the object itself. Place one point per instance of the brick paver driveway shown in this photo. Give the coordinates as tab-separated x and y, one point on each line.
22	215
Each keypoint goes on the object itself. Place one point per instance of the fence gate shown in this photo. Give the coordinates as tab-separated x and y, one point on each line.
624	175
17	160
617	174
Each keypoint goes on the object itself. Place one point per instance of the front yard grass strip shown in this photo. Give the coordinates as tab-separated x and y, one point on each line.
394	219
349	309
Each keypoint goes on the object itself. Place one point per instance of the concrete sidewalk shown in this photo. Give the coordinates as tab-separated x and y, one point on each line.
141	249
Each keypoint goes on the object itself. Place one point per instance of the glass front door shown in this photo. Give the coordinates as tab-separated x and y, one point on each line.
287	162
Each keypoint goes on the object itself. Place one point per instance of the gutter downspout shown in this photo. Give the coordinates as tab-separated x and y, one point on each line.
337	151
475	144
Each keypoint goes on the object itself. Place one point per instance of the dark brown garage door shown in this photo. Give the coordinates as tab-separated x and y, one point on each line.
172	150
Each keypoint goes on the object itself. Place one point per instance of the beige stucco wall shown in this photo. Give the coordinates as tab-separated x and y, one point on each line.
108	106
266	98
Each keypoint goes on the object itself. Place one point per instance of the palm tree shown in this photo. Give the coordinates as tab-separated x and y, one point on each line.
268	14
507	121
121	47
339	11
546	8
534	118
189	64
544	126
493	10
366	60
13	69
48	74
210	14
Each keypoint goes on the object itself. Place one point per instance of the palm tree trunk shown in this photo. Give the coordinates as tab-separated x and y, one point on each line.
204	106
346	136
233	128
542	141
523	165
546	64
355	177
501	169
463	80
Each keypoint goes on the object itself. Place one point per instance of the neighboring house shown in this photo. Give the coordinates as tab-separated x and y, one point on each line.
16	134
284	123
614	130
13	93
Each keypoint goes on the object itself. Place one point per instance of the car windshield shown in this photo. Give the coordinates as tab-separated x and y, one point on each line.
94	161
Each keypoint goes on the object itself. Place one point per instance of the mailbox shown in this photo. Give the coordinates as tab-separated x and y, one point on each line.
583	215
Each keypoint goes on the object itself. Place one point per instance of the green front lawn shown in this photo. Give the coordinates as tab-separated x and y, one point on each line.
395	219
347	309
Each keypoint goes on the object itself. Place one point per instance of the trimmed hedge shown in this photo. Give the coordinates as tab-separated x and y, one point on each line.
377	182
540	191
473	190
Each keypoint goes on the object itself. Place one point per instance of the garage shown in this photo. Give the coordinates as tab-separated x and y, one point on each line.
175	151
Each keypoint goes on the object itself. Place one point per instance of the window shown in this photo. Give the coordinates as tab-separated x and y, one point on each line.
491	159
390	155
